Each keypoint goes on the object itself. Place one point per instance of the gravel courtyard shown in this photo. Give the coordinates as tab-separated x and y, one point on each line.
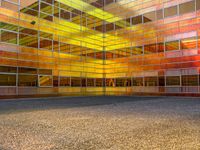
100	123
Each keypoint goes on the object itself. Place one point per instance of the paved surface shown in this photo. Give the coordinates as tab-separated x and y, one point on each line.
100	123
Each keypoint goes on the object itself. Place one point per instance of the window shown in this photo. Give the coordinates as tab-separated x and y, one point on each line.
189	43
161	81
75	82
8	37
159	14
27	80
65	14
46	44
7	80
27	70
8	69
120	82
160	47
110	82
90	82
151	81
189	80
28	40
137	81
45	71
173	80
65	48
150	16
138	50
171	11
172	45
198	4
136	20
64	81
187	7
45	81
99	82
148	49
55	81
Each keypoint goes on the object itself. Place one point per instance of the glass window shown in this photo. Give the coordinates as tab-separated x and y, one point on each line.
160	47
148	49
27	40
7	80
65	14
8	69
65	48
138	50
150	16
172	45
64	81
137	81
189	43
8	26
173	80
120	82
27	70
161	81
198	4
151	81
159	14
27	80
45	71
171	11
187	7
90	82
189	80
28	31
110	82
55	81
8	37
99	82
45	81
46	44
136	20
75	82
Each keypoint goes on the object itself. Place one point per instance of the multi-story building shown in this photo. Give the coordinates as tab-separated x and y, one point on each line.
99	47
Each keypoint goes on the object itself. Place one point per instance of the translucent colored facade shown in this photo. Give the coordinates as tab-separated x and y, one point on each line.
99	47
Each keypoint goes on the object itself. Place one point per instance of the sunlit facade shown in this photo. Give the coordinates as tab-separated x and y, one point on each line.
99	47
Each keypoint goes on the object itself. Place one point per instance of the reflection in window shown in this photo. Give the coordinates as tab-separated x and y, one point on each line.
8	37
27	70
99	82
187	7
173	80
171	46
160	47
171	11
45	80
8	69
64	81
189	80
148	49
151	81
137	81
150	16
45	71
75	82
159	14
90	82
138	50
189	43
136	20
27	80
28	40
7	80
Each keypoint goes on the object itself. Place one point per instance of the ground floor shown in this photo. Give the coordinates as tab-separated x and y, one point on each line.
104	122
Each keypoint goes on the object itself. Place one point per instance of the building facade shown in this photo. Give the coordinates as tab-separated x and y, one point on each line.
99	47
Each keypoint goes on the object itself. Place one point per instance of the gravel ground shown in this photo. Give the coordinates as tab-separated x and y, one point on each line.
100	123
